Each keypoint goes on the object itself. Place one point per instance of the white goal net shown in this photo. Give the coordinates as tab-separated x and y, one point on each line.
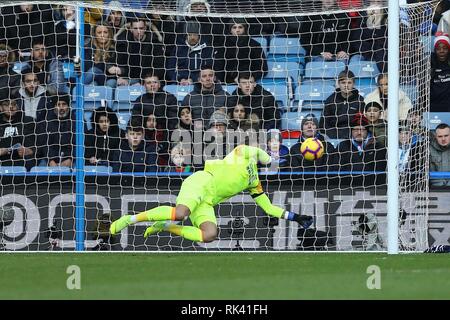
107	108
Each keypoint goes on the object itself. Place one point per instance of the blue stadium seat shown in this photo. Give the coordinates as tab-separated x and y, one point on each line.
289	142
264	42
364	69
283	70
12	169
50	170
179	91
229	88
293	120
427	43
18	66
323	69
364	90
280	92
125	96
314	92
69	70
281	46
123	118
93	96
432	119
98	169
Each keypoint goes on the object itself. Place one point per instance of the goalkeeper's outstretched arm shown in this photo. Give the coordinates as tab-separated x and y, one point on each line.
263	201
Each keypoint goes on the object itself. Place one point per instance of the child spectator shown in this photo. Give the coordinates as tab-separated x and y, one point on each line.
134	154
377	126
103	139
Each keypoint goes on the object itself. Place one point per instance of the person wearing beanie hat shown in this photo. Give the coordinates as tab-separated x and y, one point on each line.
440	74
17	134
361	152
218	121
310	129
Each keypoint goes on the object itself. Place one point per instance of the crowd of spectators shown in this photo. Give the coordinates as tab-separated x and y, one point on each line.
37	121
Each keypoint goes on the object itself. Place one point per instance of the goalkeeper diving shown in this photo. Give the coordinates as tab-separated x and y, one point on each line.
203	190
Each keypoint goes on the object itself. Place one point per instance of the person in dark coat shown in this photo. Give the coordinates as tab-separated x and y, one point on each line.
9	79
361	152
340	108
260	101
17	135
440	75
103	139
240	53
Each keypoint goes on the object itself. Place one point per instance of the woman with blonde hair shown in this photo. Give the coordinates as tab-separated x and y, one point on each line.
101	65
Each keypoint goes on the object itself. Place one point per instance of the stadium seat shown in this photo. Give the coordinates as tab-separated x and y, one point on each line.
229	88
98	169
364	69
286	47
283	70
293	120
179	91
323	69
427	43
50	170
123	118
289	142
125	96
432	119
280	92
18	66
311	97
69	70
264	42
364	90
93	96
12	169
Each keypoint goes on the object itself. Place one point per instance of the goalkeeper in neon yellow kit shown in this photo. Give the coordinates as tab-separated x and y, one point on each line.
200	192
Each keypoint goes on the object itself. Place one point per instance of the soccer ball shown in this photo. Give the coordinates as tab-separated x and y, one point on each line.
312	149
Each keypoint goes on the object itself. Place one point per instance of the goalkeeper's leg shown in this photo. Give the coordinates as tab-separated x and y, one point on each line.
161	213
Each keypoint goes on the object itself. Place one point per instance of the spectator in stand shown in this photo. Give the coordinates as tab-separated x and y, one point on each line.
310	129
156	100
380	96
410	151
34	100
66	33
139	53
17	135
59	131
376	125
440	153
103	139
134	154
242	119
414	120
184	130
179	159
101	65
361	152
326	36
276	149
163	27
19	25
240	53
340	108
184	67
370	38
48	69
215	137
260	101
440	74
155	132
9	79
115	18
207	96
92	16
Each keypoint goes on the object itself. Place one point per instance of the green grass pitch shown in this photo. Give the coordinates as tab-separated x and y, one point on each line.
224	276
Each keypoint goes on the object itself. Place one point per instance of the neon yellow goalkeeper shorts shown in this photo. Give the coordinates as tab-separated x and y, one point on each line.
193	192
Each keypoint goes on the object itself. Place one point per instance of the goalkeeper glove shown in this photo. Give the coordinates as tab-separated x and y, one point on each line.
303	220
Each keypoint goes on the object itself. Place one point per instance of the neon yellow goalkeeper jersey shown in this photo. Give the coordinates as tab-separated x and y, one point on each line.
237	172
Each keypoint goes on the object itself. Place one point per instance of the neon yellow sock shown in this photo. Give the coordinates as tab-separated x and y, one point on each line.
156	214
188	232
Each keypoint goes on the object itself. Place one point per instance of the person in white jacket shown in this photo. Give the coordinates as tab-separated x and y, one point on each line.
380	96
